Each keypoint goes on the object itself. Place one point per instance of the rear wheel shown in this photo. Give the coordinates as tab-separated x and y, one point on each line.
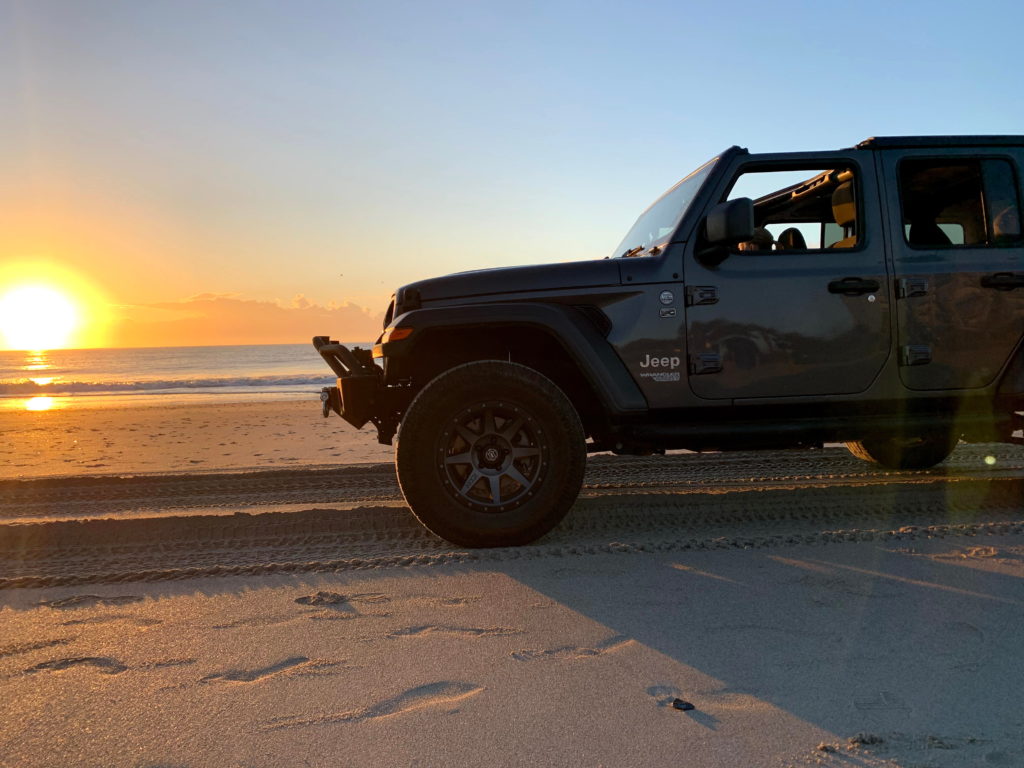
490	454
904	452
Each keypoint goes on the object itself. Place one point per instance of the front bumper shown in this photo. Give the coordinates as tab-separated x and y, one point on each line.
358	394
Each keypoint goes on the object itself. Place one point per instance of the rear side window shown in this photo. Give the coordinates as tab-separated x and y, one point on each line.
948	203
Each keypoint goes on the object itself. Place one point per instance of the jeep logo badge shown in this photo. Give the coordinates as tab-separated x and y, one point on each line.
667	297
660	362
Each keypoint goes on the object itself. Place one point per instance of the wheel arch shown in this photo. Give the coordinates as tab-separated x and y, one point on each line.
560	342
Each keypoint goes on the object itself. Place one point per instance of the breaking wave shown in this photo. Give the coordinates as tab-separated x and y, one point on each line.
28	388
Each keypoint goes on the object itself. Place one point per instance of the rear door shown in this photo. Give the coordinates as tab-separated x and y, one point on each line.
804	308
958	263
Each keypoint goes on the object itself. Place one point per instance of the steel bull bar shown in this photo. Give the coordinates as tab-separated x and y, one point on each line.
355	397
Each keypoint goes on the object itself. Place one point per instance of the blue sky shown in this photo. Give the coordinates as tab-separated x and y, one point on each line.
339	149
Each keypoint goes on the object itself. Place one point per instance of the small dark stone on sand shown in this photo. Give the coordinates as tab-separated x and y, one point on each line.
685	706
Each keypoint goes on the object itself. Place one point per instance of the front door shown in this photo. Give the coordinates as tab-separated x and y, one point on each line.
803	308
958	265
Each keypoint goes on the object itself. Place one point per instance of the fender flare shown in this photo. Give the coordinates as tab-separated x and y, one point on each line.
571	329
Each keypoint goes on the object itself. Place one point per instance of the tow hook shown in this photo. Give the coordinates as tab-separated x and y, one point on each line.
328	399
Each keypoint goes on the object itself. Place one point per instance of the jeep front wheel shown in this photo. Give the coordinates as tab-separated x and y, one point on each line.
490	454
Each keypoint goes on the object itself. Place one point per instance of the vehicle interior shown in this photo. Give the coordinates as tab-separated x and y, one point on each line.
967	203
819	212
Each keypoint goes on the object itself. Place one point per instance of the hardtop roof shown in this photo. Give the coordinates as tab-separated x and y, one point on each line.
910	142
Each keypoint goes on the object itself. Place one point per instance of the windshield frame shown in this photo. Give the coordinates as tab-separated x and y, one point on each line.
635	243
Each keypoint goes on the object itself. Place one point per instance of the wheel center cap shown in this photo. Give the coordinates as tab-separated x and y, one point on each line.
491	455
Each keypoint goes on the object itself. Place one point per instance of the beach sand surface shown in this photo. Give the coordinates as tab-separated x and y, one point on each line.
180	437
862	654
891	652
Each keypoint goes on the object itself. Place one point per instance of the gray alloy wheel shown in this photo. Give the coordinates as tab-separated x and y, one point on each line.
489	454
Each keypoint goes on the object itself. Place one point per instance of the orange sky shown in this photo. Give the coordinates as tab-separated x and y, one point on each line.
122	270
212	319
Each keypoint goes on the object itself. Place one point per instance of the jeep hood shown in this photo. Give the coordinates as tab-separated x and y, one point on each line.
542	277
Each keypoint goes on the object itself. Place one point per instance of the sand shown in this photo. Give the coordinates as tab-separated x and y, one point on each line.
180	438
883	652
853	655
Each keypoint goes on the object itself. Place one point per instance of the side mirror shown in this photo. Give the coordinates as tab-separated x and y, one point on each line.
730	222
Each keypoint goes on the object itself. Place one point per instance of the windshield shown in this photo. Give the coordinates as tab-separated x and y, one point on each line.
660	220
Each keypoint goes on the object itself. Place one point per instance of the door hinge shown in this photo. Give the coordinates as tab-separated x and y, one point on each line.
705	362
916	354
910	287
701	294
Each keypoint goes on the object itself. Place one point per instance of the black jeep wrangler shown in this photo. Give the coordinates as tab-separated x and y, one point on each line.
872	295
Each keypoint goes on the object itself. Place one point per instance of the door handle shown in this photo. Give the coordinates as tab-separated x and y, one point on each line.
1003	281
853	286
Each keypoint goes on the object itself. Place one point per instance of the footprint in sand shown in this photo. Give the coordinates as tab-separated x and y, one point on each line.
443	602
294	666
257	621
166	663
103	664
338	601
137	621
342	606
436	629
37	645
452	602
574	652
252	675
86	601
439	694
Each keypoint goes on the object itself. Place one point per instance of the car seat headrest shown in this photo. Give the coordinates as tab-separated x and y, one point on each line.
791	239
844	208
1006	225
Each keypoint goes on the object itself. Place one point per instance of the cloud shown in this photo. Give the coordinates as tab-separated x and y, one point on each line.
209	319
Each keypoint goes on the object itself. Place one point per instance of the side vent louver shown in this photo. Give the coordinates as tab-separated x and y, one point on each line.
596	317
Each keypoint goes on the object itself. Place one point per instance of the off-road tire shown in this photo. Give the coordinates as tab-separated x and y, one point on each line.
499	420
903	452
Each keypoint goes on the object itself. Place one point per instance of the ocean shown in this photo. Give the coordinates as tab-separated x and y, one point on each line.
101	377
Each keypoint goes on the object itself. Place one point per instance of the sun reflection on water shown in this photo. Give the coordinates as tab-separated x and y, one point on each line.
39	403
37	360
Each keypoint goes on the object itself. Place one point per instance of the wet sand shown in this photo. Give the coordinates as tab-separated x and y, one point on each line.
180	438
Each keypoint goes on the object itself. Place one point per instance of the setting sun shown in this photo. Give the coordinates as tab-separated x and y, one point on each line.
37	317
44	305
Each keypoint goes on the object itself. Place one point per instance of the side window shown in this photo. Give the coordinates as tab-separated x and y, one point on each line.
800	209
946	203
